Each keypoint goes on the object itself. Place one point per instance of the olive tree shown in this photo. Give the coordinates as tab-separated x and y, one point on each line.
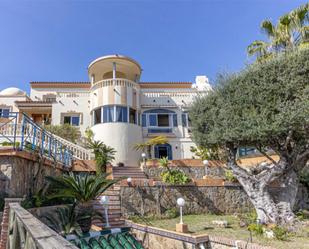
265	106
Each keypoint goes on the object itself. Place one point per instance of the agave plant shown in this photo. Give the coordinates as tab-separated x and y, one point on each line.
83	189
65	220
164	163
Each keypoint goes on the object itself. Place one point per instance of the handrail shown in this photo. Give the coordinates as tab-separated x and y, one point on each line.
27	232
10	130
28	135
78	151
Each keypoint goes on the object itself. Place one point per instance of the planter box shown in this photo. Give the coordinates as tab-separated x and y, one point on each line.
209	182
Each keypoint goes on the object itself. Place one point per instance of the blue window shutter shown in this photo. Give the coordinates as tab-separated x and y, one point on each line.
75	121
125	114
175	123
5	113
169	152
156	151
153	120
184	120
144	120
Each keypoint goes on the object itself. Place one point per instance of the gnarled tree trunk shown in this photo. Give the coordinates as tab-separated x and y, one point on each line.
270	208
287	196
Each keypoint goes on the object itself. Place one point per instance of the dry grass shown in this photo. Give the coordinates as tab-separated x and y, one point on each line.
202	224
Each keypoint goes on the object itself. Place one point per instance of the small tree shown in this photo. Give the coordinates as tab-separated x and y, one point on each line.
65	131
148	145
266	106
103	155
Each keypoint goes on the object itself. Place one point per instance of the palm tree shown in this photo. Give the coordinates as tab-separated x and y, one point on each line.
103	155
150	143
290	32
83	189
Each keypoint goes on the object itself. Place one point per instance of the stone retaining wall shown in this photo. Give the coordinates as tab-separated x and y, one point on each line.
157	238
143	200
17	170
196	172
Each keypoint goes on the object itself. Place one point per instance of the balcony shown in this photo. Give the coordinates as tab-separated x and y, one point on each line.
115	82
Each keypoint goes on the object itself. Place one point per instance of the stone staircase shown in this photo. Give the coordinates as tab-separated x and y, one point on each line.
128	171
114	209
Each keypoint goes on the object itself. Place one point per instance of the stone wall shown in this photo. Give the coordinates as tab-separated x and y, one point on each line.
143	200
157	238
196	172
17	171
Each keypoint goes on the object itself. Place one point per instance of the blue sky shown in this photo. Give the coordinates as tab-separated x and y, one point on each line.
172	40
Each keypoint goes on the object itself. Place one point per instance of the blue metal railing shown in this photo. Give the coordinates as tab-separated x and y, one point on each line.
32	137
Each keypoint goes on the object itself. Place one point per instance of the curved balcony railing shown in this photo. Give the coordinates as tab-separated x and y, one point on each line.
114	82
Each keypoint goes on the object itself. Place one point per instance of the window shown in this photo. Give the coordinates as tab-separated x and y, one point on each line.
97	116
67	120
121	114
163	120
108	114
72	120
4	113
132	116
247	151
49	97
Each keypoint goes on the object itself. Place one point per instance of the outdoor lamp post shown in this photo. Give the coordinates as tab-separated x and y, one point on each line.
181	227
144	161
129	181
104	201
206	164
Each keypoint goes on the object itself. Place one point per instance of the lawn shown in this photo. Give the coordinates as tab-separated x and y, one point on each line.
202	224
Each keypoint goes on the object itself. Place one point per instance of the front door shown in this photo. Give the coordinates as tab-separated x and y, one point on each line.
163	150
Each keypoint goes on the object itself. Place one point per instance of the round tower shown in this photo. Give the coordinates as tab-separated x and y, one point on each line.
115	105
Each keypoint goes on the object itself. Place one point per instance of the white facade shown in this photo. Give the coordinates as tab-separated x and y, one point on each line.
120	110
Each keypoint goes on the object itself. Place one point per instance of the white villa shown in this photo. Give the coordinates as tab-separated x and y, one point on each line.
120	109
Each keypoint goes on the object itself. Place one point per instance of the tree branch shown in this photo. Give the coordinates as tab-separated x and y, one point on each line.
266	155
232	164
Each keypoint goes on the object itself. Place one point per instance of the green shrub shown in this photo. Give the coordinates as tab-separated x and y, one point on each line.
6	143
248	218
281	233
302	214
171	213
174	176
256	228
229	176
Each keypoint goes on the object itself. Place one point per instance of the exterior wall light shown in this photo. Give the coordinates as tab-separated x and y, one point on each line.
181	227
129	181
104	200
144	161
206	164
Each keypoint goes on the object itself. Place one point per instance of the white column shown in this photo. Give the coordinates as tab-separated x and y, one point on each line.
114	70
